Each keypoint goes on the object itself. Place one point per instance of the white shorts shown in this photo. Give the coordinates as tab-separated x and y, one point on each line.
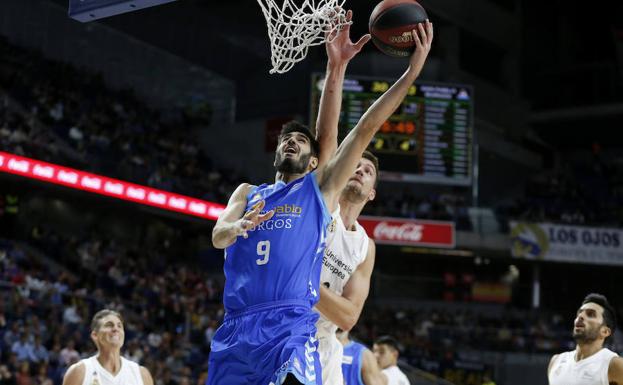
331	352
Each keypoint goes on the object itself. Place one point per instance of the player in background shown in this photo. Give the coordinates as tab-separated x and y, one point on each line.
107	367
590	363
386	352
359	365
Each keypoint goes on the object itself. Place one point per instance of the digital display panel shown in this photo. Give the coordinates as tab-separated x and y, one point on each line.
427	139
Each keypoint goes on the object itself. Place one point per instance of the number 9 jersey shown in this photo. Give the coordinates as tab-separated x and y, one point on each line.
272	280
282	257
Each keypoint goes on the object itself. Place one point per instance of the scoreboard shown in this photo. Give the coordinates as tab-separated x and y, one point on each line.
427	139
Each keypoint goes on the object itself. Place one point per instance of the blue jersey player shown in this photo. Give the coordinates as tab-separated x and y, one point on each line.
273	236
359	365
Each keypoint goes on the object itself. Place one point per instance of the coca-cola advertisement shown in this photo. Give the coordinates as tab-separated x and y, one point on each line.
409	232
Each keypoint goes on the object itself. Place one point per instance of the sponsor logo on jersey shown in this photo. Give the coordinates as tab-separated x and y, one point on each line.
288	210
335	265
283	218
274	224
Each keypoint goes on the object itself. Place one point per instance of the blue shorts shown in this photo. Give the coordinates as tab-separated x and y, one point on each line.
265	343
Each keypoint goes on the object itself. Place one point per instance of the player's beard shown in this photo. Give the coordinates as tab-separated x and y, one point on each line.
586	335
292	166
353	193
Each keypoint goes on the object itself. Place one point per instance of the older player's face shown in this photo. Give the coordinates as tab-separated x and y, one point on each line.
386	356
360	186
589	324
110	333
293	153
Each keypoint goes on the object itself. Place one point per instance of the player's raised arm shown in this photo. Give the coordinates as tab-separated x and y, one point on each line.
340	51
334	176
232	223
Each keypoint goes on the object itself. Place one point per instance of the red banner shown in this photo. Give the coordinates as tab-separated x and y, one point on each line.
409	232
80	180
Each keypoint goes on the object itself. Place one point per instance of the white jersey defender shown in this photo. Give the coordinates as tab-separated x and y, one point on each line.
593	370
95	374
395	376
344	252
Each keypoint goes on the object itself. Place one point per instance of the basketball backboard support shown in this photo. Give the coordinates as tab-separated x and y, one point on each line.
89	10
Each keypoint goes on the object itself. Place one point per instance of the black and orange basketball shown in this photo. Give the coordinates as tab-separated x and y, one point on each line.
391	23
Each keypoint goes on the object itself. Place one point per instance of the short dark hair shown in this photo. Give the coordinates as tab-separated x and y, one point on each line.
389	341
610	318
95	322
294	126
375	161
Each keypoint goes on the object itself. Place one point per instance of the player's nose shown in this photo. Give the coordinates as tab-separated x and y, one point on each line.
290	141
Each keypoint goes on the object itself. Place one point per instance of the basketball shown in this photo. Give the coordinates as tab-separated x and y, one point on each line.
391	23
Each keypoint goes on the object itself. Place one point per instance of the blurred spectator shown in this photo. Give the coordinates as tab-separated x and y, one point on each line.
6	377
42	377
39	352
69	354
23	376
23	348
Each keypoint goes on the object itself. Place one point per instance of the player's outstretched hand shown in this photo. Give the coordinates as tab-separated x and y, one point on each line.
340	49
251	219
423	37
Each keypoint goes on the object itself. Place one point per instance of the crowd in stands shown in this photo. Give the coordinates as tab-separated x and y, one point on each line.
68	115
585	191
171	312
429	336
58	113
408	204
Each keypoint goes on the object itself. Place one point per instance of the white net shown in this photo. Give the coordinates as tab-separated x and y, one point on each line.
293	28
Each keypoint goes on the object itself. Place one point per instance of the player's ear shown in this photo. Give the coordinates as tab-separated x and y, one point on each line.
313	162
605	331
276	155
94	337
372	195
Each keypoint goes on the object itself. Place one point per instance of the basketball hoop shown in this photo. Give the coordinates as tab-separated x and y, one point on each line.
293	28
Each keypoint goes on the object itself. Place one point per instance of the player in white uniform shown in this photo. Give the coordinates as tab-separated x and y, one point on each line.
386	352
590	363
348	264
348	245
107	367
349	254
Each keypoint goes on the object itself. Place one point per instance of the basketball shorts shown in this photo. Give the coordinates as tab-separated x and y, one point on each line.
330	351
263	344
